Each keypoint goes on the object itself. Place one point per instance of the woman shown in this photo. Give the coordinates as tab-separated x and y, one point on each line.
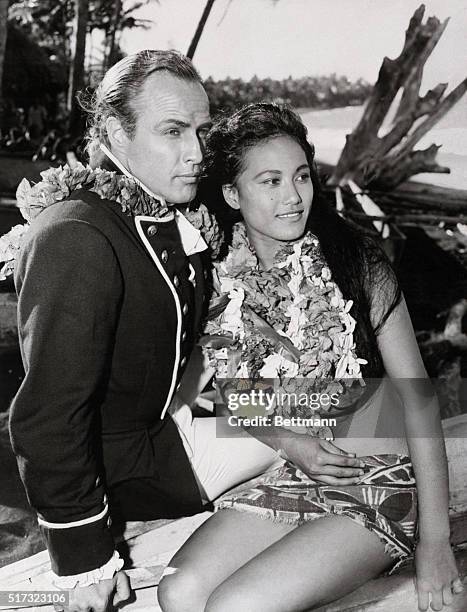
295	260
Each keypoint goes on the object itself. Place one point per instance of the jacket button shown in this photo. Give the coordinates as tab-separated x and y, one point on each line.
176	281
182	362
152	230
184	336
164	256
185	309
109	522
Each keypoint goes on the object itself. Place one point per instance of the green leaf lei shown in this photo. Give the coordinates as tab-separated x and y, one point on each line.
287	322
58	183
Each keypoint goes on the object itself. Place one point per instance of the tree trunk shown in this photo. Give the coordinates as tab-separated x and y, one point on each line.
76	80
3	37
199	30
110	38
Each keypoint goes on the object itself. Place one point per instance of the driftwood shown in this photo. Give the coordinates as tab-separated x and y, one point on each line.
384	161
412	220
411	195
452	336
424	197
444	351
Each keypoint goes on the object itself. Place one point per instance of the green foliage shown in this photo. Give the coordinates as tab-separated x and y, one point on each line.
29	71
305	92
38	46
100	15
50	22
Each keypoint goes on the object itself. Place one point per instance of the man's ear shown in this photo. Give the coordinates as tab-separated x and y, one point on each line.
115	133
230	193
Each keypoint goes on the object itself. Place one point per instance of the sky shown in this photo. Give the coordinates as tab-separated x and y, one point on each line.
302	37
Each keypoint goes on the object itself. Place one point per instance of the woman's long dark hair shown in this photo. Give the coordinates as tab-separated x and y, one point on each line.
358	265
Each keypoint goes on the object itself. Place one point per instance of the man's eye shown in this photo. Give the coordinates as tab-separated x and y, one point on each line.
173	132
272	181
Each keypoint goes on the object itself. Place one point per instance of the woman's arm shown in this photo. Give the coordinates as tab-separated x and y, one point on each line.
317	458
436	567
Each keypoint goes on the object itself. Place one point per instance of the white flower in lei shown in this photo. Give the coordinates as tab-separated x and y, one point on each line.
58	183
289	321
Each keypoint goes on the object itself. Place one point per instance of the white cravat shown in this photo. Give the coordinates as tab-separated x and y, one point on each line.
191	238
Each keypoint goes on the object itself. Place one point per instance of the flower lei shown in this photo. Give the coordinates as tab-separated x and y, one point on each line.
290	321
58	183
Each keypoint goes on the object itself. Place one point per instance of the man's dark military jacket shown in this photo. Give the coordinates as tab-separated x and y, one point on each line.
108	308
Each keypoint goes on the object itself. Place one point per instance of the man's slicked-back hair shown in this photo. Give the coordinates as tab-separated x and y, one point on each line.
117	94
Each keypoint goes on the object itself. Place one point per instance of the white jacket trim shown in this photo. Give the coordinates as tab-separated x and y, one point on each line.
160	267
86	521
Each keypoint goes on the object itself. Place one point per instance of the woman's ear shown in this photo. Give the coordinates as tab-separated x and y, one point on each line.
230	193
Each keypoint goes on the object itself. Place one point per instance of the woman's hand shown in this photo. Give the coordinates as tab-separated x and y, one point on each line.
321	460
437	574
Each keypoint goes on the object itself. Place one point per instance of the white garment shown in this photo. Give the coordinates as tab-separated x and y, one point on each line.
220	463
105	572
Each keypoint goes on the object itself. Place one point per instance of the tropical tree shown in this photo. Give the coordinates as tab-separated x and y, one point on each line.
112	17
3	37
202	22
50	22
29	71
60	27
76	80
199	30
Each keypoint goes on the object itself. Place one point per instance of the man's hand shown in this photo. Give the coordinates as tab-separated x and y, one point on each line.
321	460
96	597
437	574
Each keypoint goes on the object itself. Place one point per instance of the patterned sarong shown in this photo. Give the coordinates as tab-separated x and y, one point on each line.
384	500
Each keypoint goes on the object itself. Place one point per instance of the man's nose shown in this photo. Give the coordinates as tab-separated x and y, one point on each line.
193	150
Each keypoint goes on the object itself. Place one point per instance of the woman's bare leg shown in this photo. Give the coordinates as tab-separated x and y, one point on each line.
224	543
237	561
314	564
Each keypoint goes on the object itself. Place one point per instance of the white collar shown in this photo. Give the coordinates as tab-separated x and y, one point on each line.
127	173
191	238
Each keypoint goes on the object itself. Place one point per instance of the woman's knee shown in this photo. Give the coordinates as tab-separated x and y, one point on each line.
228	600
181	592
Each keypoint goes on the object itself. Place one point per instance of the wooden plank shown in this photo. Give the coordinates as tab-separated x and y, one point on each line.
395	593
455	431
152	549
458	525
157	547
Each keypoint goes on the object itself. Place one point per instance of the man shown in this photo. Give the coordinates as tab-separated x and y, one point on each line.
109	305
111	288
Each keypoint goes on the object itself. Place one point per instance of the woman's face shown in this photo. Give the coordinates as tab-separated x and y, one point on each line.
274	191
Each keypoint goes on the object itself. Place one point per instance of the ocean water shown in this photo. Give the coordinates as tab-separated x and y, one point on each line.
328	128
